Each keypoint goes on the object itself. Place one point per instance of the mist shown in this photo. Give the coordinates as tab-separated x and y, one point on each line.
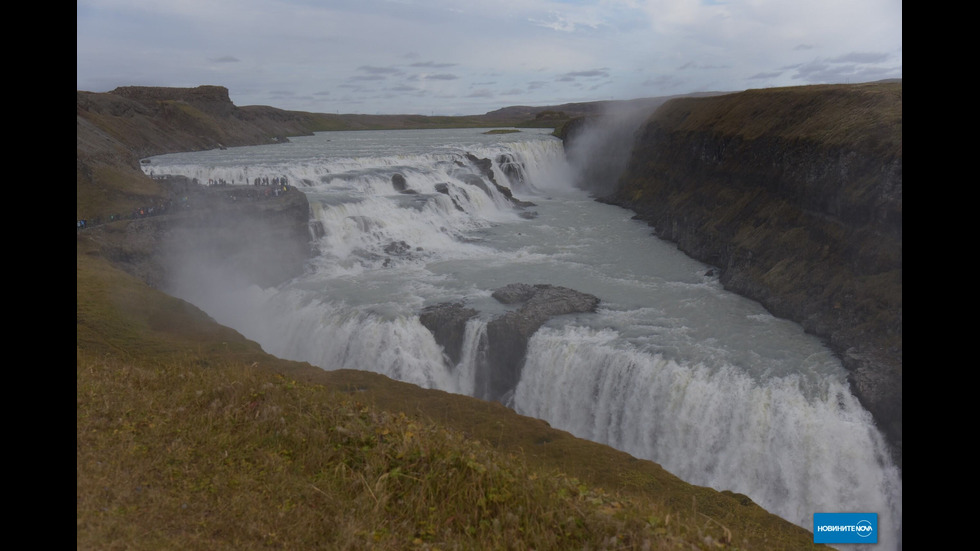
600	149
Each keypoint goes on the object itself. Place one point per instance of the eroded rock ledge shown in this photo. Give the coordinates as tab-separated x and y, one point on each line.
263	241
507	335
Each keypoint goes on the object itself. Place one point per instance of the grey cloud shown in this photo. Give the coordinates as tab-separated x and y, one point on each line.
856	57
852	67
663	82
433	65
818	72
379	70
226	59
692	65
604	73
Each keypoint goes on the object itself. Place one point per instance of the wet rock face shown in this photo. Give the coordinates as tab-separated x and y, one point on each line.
447	322
514	293
511	168
807	223
401	185
485	166
260	241
508	334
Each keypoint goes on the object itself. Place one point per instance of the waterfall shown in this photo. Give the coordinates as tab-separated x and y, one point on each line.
671	368
795	446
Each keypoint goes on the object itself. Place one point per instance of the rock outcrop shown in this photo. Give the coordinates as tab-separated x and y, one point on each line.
252	238
400	184
447	322
485	167
795	195
507	335
260	239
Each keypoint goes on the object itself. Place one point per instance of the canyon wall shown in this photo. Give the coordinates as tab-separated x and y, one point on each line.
795	196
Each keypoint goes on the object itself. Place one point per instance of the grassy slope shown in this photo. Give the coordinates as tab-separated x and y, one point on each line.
860	116
189	436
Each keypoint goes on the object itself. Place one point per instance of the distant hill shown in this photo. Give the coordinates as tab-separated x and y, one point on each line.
566	111
114	130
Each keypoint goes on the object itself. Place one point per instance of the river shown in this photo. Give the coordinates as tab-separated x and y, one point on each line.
671	368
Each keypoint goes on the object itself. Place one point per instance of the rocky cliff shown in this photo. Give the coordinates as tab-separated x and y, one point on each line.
153	227
795	195
502	360
251	235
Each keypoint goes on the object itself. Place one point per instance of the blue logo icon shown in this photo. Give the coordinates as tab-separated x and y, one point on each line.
845	527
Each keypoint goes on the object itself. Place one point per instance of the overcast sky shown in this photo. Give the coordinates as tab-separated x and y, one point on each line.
462	57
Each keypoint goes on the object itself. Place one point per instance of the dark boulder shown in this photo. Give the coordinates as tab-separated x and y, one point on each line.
443	188
485	166
511	169
514	293
498	373
397	248
447	322
400	184
509	334
476	181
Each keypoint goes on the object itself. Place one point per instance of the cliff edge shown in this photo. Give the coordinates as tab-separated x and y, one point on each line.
795	195
153	227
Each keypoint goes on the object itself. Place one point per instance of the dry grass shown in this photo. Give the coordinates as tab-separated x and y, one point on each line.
180	456
867	116
190	437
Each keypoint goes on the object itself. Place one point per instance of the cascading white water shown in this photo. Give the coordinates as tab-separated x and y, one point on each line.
714	425
671	367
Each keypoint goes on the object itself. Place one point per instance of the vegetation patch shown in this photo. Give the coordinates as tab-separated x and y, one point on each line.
231	456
